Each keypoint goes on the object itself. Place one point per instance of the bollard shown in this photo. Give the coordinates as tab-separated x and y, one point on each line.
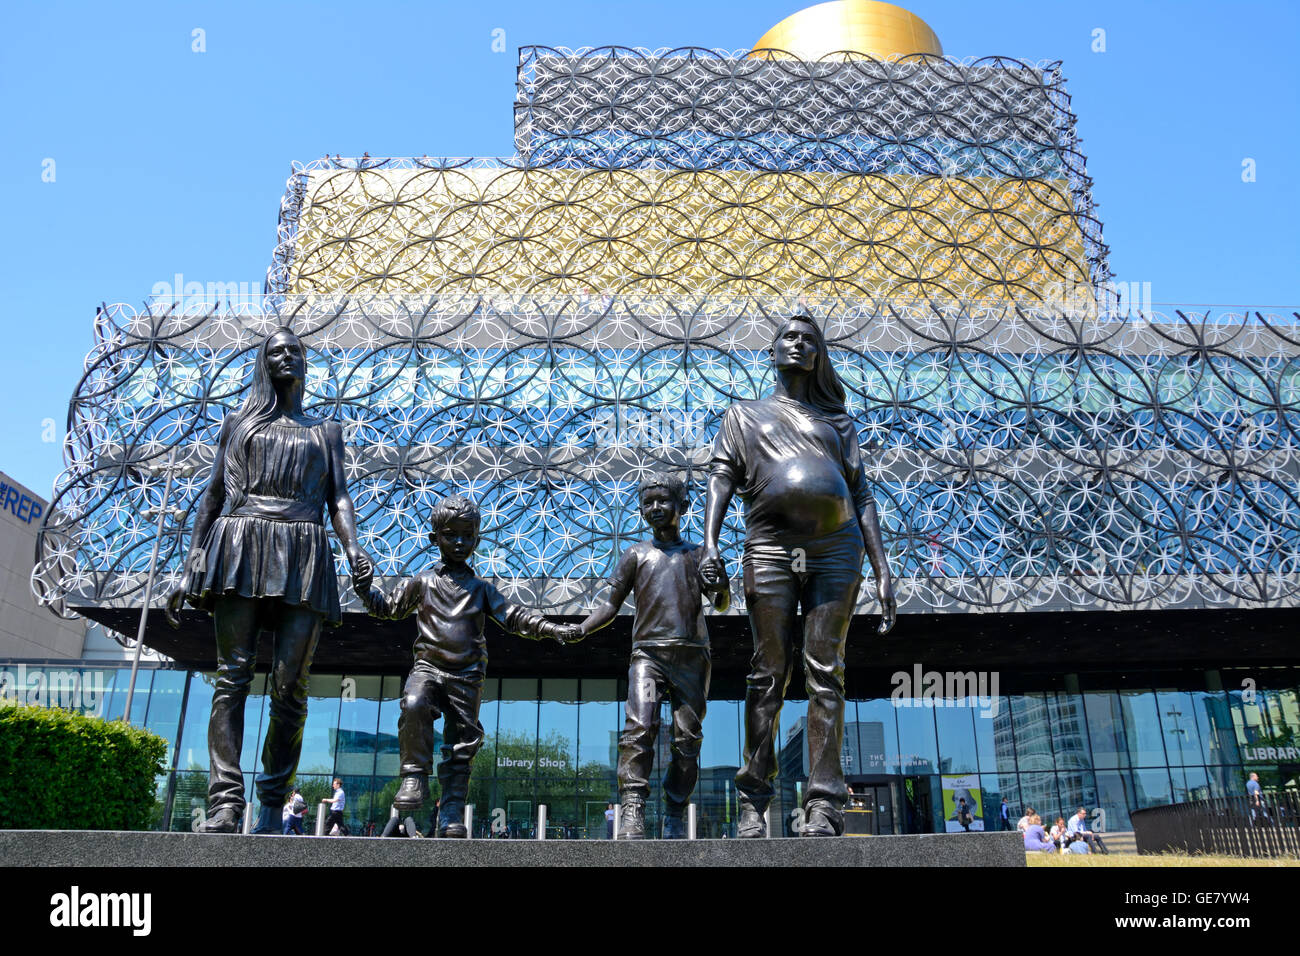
469	821
541	821
690	821
247	826
767	820
322	811
618	818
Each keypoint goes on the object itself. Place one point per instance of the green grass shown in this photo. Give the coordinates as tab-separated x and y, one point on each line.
1154	859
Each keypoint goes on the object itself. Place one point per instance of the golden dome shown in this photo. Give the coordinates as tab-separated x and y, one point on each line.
880	30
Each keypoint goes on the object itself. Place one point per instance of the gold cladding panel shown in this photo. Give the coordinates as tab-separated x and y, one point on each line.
550	231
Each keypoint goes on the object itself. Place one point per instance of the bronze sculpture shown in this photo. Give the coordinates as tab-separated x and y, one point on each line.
266	564
794	458
670	655
451	605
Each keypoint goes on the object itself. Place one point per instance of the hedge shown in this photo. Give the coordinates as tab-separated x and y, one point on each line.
61	770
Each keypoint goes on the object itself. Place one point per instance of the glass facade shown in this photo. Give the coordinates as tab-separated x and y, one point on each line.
554	742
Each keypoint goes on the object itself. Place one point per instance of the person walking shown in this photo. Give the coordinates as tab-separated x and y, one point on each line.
1005	814
1255	800
338	803
295	808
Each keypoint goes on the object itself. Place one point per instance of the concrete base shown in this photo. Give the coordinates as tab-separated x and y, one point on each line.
120	848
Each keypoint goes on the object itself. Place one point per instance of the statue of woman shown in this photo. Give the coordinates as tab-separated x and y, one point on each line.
265	564
809	516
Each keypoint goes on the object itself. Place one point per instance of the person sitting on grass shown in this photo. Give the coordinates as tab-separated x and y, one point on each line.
1035	838
1059	834
1079	831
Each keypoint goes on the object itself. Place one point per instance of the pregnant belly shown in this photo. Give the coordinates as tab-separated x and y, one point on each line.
804	499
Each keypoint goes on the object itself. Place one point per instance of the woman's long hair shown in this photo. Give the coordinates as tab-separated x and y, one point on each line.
258	409
825	391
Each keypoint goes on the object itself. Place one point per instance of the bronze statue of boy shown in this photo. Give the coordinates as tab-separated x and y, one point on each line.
670	655
451	606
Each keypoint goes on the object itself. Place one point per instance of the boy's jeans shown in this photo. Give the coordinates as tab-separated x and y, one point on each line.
679	672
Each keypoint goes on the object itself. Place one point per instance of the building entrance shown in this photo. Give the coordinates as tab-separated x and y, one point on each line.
870	810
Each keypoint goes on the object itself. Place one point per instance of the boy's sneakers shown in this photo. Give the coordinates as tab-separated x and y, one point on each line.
631	820
269	821
412	793
751	824
451	821
822	821
224	819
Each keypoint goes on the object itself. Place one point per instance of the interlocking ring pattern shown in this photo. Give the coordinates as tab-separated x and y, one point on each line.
1021	458
702	173
542	331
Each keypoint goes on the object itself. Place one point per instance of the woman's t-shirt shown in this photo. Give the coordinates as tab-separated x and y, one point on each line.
797	469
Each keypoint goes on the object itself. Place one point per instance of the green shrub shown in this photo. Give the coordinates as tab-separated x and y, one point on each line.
65	771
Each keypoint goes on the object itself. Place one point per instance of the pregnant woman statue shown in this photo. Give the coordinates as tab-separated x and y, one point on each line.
794	458
265	564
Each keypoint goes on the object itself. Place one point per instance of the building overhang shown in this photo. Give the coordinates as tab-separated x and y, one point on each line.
1027	650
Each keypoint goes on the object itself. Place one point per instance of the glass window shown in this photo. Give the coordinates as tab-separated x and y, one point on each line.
117	703
593	794
485	762
565	814
517	798
1142	729
516	753
115	691
715	800
388	751
792	756
849	748
720	750
1197	784
1038	790
877	737
1105	729
1181	732
194	735
1008	788
1225	781
165	707
994	738
917	750
1069	731
1152	787
358	727
1214	726
255	708
97	692
1078	789
557	745
598	728
1278	719
956	729
189	801
320	734
1033	731
314	789
1114	797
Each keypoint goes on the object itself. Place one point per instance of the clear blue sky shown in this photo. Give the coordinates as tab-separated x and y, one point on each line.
172	161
